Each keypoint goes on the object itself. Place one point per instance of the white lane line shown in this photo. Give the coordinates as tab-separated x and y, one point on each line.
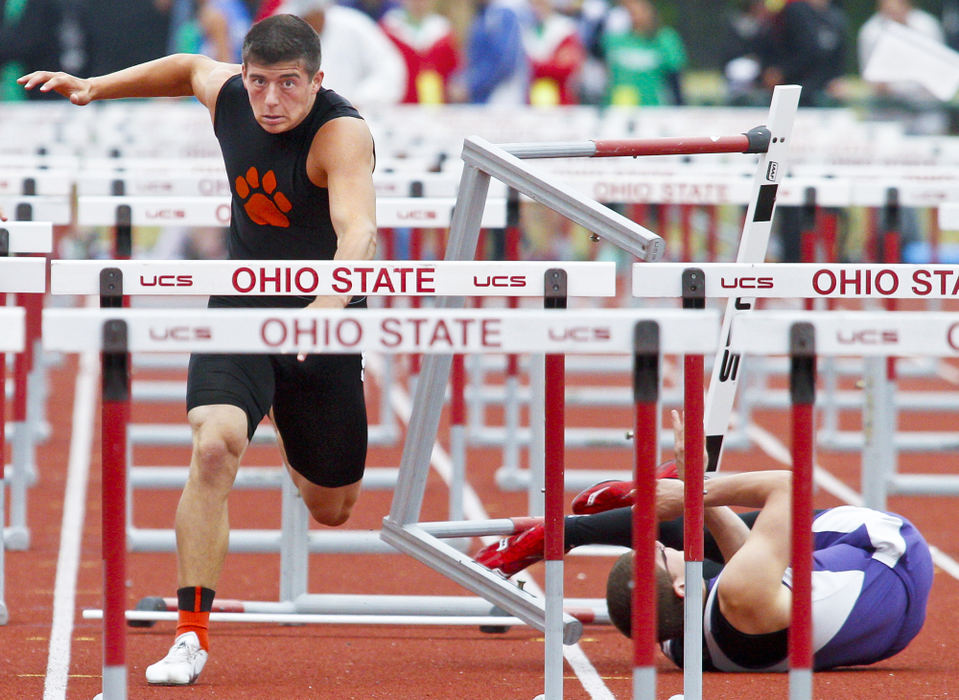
71	532
473	508
777	450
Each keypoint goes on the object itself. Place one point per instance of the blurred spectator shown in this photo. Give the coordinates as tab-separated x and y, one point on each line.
266	8
359	61
374	9
556	55
224	24
426	41
747	47
594	19
810	41
906	101
496	70
121	33
29	40
645	60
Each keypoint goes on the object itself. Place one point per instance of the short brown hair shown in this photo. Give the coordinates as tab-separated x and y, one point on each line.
619	594
281	38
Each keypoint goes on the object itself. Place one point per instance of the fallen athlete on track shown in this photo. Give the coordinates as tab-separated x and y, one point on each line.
872	570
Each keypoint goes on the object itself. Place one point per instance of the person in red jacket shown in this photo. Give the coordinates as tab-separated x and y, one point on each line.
428	45
555	53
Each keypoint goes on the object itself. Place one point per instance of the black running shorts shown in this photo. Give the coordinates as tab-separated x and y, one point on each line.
319	407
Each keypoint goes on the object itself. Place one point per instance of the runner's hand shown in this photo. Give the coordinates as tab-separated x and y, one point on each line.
78	90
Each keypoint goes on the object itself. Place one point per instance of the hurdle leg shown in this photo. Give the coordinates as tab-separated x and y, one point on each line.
802	387
537	421
752	248
294	542
434	373
114	419
643	620
4	613
879	429
555	483
694	297
457	439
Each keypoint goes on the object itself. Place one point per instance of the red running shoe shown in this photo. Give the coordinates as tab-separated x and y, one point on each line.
515	553
610	494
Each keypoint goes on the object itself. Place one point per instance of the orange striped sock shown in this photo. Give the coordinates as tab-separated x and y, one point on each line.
195	604
199	622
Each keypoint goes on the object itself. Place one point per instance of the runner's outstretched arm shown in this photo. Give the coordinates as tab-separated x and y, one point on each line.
177	75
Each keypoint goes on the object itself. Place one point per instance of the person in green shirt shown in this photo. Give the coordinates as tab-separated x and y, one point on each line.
644	60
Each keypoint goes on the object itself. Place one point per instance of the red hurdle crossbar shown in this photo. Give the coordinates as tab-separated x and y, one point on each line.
756	140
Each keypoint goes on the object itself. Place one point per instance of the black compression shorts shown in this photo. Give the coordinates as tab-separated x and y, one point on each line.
318	405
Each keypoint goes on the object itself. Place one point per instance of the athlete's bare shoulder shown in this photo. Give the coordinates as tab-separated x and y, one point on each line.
208	78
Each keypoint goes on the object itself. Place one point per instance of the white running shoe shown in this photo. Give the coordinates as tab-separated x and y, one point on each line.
181	665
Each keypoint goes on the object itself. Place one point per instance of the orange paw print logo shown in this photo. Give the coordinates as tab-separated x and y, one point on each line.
264	204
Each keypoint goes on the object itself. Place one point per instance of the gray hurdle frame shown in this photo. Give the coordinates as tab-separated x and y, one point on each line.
483	161
117	332
293	541
16	238
771	143
841	281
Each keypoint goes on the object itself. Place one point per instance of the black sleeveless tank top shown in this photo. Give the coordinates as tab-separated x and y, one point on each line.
276	212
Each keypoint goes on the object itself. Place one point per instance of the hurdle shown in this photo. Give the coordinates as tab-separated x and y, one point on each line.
26	278
117	332
804	336
386	279
841	281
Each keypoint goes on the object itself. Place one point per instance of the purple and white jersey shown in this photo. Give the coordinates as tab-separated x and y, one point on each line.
872	572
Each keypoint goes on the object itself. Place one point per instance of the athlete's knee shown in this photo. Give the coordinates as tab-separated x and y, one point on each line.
330	506
331	514
216	453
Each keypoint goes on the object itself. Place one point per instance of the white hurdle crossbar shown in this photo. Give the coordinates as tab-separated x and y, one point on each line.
839	281
443	331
